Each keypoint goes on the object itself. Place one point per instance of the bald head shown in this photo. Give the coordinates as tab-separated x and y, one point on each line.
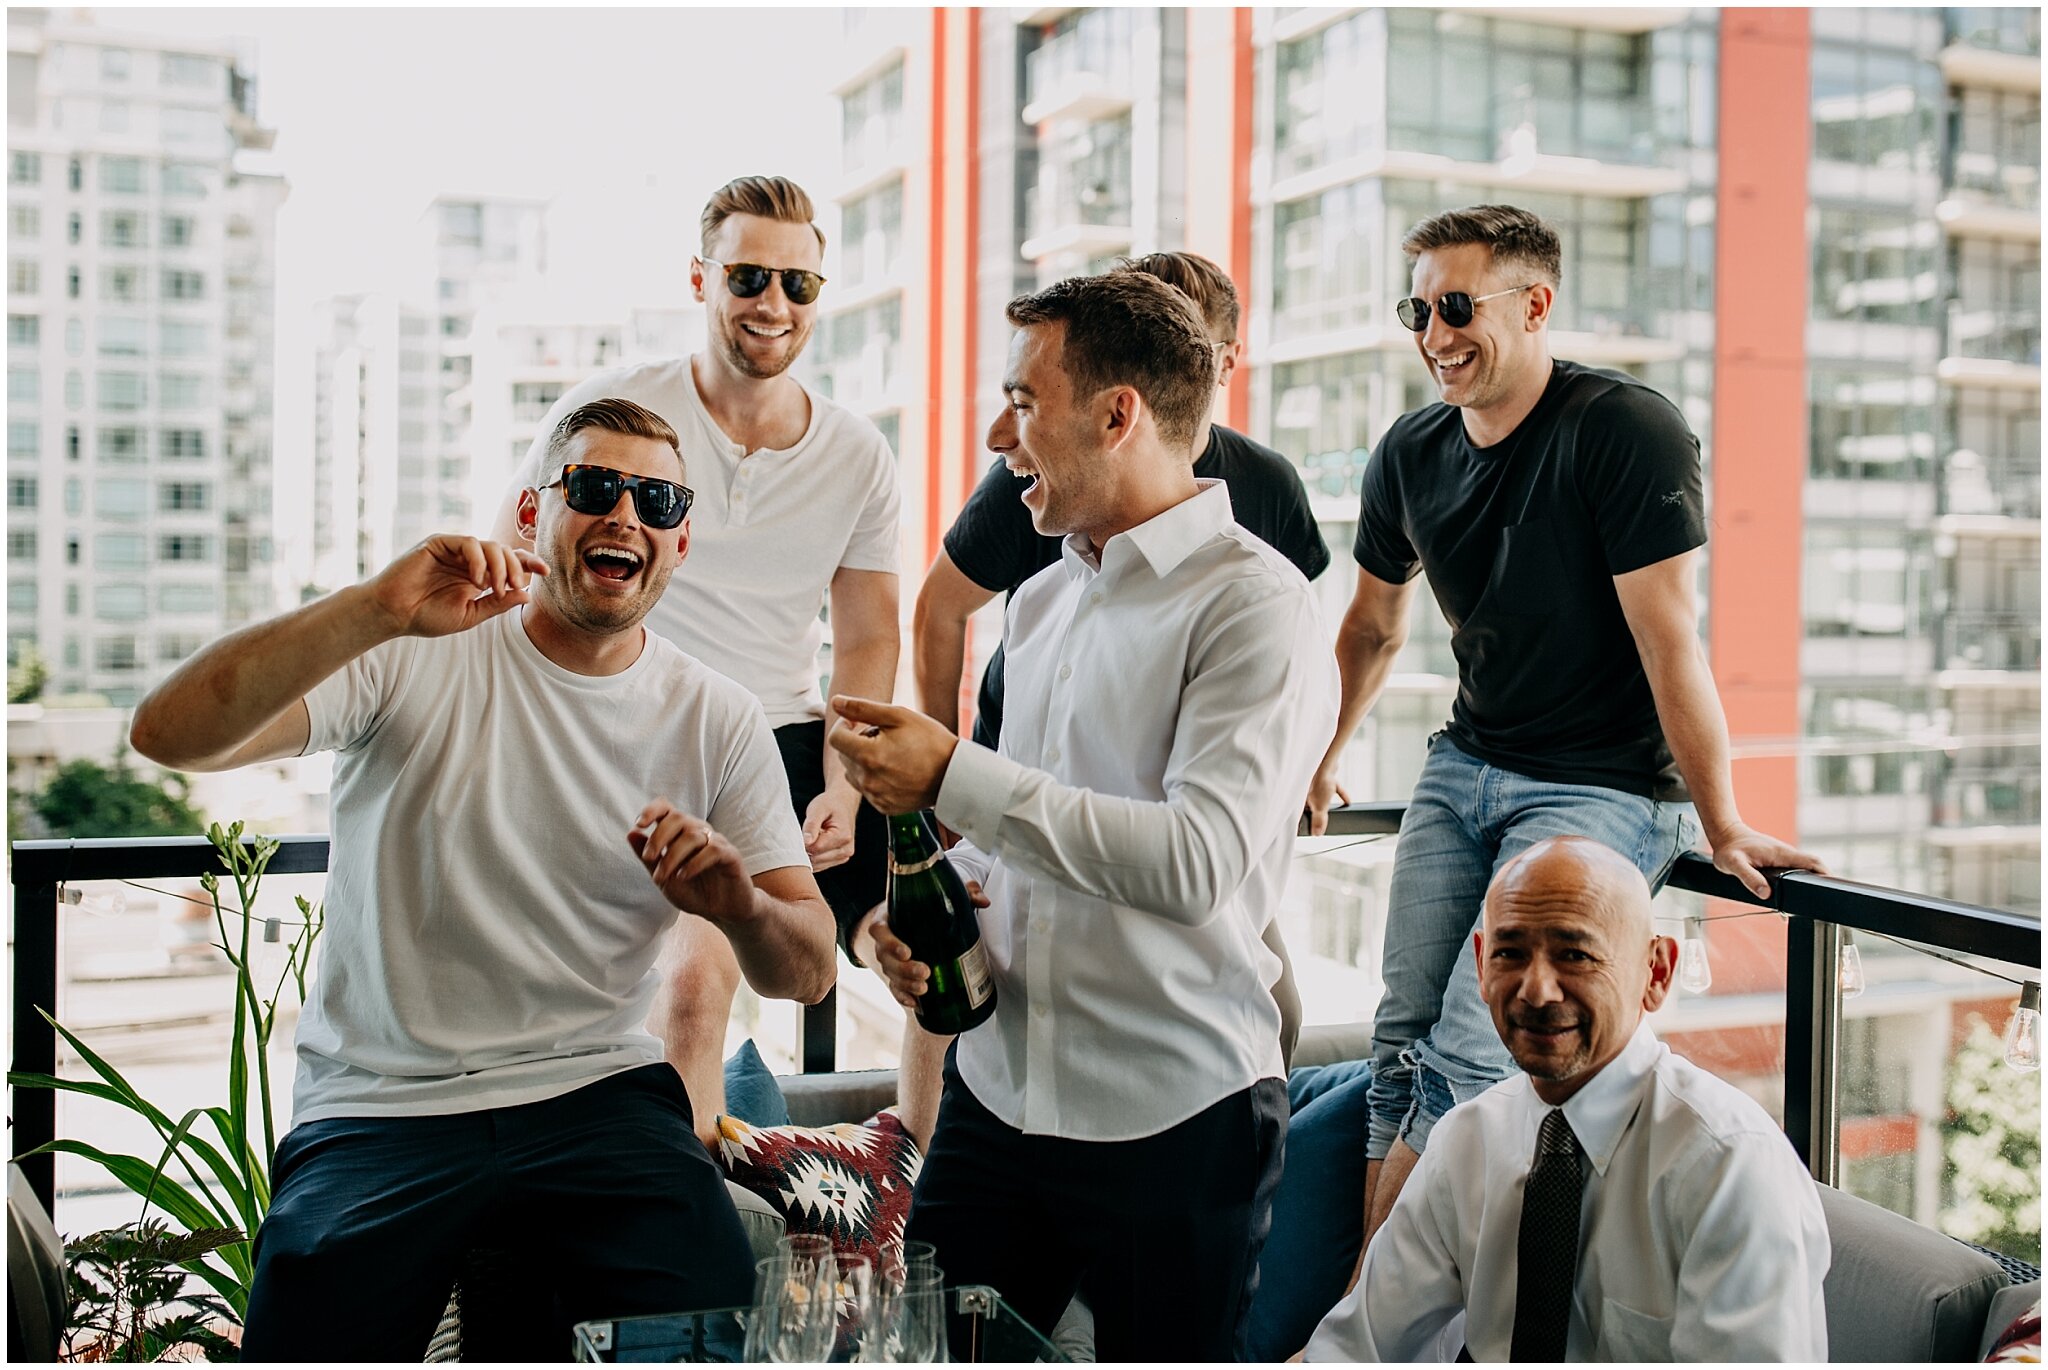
1569	961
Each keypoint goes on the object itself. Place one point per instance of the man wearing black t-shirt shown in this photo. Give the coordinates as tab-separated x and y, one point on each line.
1557	511
992	549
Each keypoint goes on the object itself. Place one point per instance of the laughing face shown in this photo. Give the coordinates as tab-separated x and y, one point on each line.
1047	432
1494	358
609	569
762	336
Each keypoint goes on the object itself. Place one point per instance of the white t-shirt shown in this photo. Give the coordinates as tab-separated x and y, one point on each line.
767	532
491	937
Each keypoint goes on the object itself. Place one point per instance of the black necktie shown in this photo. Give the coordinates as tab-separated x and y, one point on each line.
1548	1253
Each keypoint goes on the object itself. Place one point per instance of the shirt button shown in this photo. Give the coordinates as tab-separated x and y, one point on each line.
1038	1010
1052	754
1095	598
1066	671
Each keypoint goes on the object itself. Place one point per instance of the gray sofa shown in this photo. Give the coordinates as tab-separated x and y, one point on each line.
1896	1291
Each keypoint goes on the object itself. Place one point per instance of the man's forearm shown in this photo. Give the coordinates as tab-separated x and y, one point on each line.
787	948
228	693
1696	730
865	668
1364	661
938	658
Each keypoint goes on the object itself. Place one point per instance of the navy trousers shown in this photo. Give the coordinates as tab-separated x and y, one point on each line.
1166	1229
603	1198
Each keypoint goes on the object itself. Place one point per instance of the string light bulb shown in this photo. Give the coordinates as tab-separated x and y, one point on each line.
1695	975
1850	974
2023	1033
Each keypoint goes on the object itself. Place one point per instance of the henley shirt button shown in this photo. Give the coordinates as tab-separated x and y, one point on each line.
1095	598
1066	671
1038	1010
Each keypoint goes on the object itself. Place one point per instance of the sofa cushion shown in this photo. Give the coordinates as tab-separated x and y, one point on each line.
751	1094
850	1182
838	1097
1897	1291
2013	1331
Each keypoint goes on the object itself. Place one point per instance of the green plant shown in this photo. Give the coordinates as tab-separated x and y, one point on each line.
85	799
222	1181
127	1299
1991	1149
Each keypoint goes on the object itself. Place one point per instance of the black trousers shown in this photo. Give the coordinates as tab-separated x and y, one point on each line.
603	1197
856	885
1166	1229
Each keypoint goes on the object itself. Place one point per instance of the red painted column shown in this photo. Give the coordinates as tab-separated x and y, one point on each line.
1761	265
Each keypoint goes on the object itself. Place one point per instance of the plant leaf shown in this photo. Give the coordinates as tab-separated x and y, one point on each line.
171	1196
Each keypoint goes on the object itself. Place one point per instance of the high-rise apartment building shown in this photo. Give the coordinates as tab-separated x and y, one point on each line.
141	255
1817	232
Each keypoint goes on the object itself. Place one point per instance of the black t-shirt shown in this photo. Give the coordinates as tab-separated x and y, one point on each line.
995	546
1521	542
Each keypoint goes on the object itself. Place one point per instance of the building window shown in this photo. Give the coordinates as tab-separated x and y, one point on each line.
120	444
74	175
121	175
24	276
24	437
184	178
24	385
120	228
25	169
184	547
118	552
184	285
191	72
21	544
21	492
115	64
24	330
116	653
179	391
123	337
175	647
121	284
114	116
121	391
71	442
871	235
176	230
71	550
182	496
182	444
186	599
74	227
178	338
24	221
74	390
120	497
21	597
871	119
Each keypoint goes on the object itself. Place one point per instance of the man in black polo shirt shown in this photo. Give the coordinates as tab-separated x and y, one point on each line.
992	549
1557	510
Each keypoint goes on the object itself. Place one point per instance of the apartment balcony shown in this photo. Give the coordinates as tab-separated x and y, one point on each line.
1992	347
1980	487
1084	72
1999	796
1520	170
1989	198
1964	64
1089	219
1990	641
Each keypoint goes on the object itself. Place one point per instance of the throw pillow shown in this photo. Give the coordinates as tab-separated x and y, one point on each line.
2021	1341
751	1093
850	1182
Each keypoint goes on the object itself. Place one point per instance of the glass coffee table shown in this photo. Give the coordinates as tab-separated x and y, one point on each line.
985	1329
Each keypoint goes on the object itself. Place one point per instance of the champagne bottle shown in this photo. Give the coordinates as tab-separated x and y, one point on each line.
930	911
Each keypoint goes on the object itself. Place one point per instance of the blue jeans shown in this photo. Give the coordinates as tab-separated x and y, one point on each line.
1434	1043
1318	1210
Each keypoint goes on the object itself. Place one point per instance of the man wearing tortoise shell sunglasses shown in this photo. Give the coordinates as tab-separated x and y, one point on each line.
796	505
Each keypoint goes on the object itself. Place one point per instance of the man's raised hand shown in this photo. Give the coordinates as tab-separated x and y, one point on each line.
448	584
694	866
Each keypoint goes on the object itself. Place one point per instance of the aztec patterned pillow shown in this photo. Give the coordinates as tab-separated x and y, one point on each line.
850	1182
2020	1342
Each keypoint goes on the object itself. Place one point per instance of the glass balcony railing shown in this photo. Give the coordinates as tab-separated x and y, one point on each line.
1985	178
1091	52
1066	206
1991	641
1994	333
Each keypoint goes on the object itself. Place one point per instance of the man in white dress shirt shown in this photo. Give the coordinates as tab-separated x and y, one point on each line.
1123	1110
1612	1203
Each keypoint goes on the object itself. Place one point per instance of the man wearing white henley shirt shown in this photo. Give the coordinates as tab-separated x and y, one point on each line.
512	839
1123	1109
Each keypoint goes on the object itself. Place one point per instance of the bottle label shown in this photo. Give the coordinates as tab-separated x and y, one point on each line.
974	975
898	868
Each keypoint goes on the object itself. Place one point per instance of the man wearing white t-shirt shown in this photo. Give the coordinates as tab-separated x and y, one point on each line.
512	839
797	503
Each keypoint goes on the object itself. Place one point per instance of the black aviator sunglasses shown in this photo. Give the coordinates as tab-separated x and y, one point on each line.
1455	308
596	489
746	280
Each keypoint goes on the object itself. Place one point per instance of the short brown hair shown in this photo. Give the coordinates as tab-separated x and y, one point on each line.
613	415
765	197
1514	236
1198	278
1131	328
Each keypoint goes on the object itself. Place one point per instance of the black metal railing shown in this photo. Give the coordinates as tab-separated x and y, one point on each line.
1818	909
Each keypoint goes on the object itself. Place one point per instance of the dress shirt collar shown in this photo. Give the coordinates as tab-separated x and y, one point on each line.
1605	1105
1166	539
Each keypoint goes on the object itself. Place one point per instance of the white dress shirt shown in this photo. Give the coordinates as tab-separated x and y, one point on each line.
767	534
1164	712
1701	1237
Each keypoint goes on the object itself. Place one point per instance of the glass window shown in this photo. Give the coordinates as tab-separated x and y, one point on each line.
25	169
871	233
24	437
184	285
74	227
871	119
121	175
121	228
123	337
184	178
184	547
186	444
121	604
180	391
122	445
185	598
121	497
119	552
121	284
74	390
21	596
174	496
24	330
176	230
21	492
118	653
175	647
194	130
24	276
21	544
24	385
122	390
24	222
179	338
191	71
115	64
